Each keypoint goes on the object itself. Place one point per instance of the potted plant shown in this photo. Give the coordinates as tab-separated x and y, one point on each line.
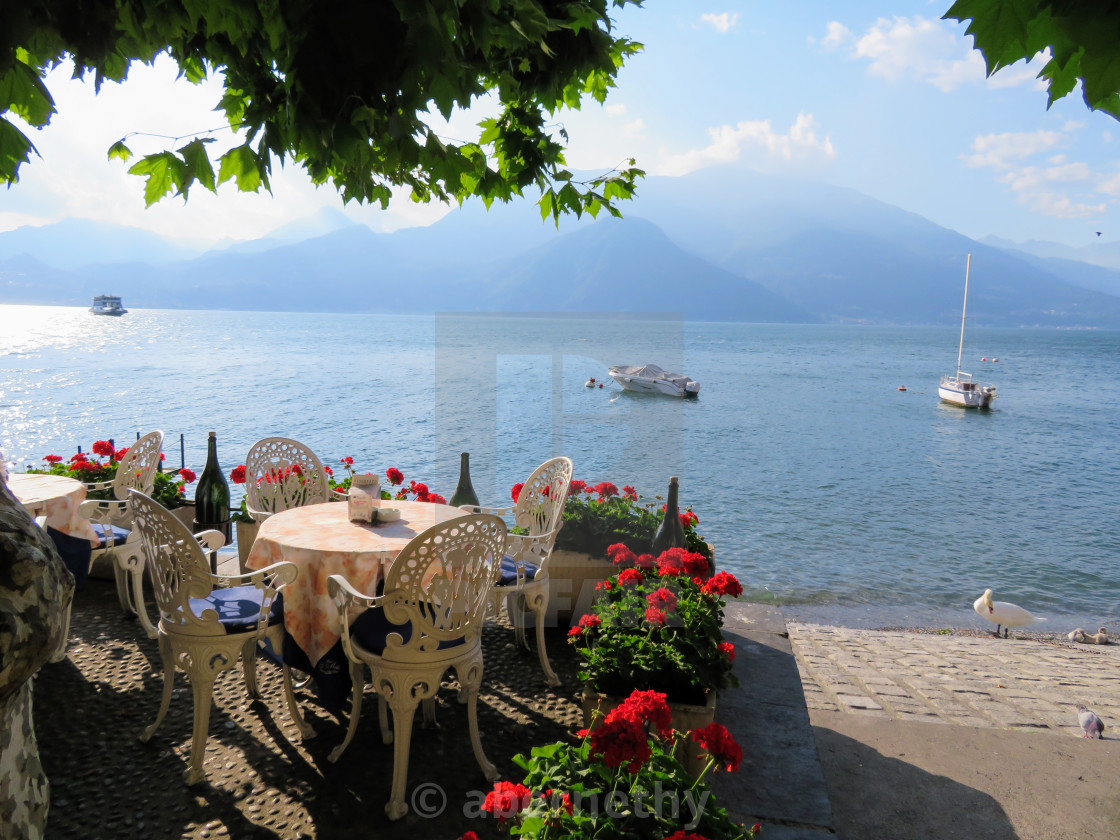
622	780
169	489
596	517
657	626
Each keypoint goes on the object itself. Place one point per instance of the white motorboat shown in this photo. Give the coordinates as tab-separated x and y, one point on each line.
653	380
107	305
961	389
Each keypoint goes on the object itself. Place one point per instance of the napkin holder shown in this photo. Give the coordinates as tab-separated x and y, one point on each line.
364	498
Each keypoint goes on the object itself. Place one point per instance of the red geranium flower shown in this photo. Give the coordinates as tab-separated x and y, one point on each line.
681	834
53	459
348	461
588	620
621	740
188	475
394	475
645	706
645	561
81	456
436	499
238	474
119	454
723	583
575	631
678	561
576	487
629	576
655	616
604	586
468	835
662	599
507	800
717	741
605	490
515	491
621	555
103	447
728	648
328	470
559	800
688	519
630	492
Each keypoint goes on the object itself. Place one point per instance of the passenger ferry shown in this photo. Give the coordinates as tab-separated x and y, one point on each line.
107	305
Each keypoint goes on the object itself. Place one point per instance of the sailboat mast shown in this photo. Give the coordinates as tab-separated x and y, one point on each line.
960	350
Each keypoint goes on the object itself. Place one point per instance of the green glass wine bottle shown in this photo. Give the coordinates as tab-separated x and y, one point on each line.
464	493
211	498
670	533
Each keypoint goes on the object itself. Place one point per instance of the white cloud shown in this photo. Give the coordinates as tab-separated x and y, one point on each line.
616	110
929	51
1110	185
723	22
1057	160
1032	178
1003	151
1061	206
757	140
836	35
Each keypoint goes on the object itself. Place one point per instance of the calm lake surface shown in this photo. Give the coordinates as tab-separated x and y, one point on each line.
827	490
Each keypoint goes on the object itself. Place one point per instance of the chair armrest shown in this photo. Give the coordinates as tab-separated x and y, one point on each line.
259	516
106	512
274	577
346	599
536	549
502	511
98	485
210	540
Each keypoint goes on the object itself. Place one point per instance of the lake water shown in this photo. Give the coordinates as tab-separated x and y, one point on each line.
823	487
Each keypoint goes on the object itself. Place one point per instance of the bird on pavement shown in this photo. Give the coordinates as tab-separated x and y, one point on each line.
1093	725
1077	635
1002	614
1099	638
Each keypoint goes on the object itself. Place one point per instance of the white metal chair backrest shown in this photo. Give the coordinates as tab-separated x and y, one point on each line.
137	469
440	582
281	473
542	499
178	566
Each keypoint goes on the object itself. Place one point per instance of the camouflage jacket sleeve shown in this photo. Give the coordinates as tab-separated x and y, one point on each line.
35	588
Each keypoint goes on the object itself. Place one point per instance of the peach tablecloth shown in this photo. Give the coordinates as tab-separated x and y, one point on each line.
58	498
322	541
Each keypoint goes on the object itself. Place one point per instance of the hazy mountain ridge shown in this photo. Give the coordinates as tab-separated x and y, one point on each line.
720	244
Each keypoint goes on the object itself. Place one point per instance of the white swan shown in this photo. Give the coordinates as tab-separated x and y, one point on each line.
1002	614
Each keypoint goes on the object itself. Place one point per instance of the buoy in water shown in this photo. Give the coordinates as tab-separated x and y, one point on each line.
902	387
995	360
984	359
600	384
590	383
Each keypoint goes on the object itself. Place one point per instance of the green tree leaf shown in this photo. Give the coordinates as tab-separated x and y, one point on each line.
164	172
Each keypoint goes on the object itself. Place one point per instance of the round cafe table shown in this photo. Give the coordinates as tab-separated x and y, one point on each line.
322	541
58	498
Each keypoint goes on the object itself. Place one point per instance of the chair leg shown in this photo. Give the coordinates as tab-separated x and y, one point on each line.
249	666
383	719
123	595
168	683
539	605
202	686
429	709
305	730
471	685
515	609
404	709
137	579
358	678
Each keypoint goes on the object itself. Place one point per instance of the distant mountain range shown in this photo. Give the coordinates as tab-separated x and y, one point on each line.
719	244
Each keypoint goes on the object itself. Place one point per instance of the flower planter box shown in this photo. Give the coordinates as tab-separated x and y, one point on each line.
246	536
686	717
572	577
571	585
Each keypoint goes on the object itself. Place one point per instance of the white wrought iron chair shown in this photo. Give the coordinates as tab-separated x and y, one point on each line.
523	584
428	620
206	621
112	520
281	473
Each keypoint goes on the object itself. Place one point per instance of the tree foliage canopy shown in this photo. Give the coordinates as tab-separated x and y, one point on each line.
1083	37
341	87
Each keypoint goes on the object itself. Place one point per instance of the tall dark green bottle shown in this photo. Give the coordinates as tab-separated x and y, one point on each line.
211	498
670	533
464	493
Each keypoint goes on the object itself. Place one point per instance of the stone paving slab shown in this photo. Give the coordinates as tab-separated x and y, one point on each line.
963	680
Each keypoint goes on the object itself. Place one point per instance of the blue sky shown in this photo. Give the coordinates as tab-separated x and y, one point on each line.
883	97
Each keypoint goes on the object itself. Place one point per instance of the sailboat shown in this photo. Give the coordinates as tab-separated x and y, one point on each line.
961	389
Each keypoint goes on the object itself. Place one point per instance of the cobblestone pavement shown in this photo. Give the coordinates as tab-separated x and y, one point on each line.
965	680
